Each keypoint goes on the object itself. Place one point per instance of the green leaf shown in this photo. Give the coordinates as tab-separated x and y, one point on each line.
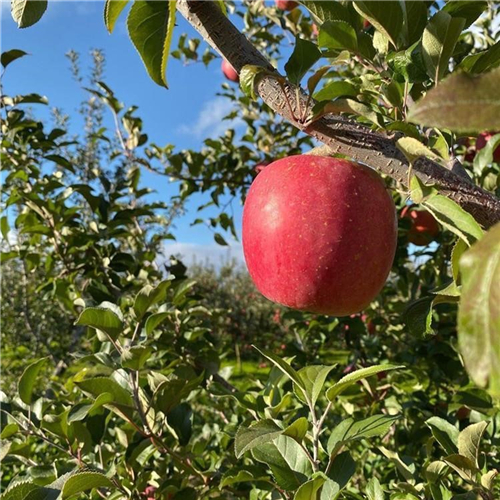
479	311
470	439
305	54
328	10
342	469
444	433
4	227
27	12
418	316
28	378
484	157
180	420
451	215
404	466
150	27
488	479
19	490
482	61
249	78
258	433
373	490
336	89
469	10
313	378
10	56
135	357
100	385
310	489
350	430
330	490
438	42
414	149
297	429
435	470
247	474
84	481
386	17
112	10
171	392
283	366
154	321
219	239
287	460
338	35
149	296
106	317
9	430
356	376
415	19
463	466
462	102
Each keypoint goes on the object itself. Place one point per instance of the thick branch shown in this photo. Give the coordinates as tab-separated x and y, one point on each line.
339	133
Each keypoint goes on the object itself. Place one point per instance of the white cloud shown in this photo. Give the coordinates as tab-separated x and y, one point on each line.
210	121
212	253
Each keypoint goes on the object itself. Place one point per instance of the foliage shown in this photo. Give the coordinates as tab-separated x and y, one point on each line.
129	378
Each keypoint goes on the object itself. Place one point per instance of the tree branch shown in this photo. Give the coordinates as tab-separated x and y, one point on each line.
338	133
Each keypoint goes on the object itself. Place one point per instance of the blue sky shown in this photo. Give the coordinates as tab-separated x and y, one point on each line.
184	115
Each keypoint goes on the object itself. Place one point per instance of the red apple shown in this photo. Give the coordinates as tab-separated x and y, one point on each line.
366	24
482	140
319	234
424	227
229	72
286	4
314	30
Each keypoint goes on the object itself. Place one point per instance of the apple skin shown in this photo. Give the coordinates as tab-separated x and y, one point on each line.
482	140
286	4
319	234
229	72
424	227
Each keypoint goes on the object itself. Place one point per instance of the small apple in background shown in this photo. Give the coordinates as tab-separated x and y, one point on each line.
149	493
229	72
319	234
366	24
482	140
370	326
314	30
463	413
286	4
424	227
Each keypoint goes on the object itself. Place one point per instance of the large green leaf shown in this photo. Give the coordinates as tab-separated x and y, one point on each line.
342	469
438	42
80	482
309	490
386	16
445	434
479	311
100	385
287	460
338	35
313	378
27	381
27	12
356	376
454	217
304	56
258	433
350	430
462	102
328	10
150	26
469	441
470	10
297	429
107	318
482	61
112	10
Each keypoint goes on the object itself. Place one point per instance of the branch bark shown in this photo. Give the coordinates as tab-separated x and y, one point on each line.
338	133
